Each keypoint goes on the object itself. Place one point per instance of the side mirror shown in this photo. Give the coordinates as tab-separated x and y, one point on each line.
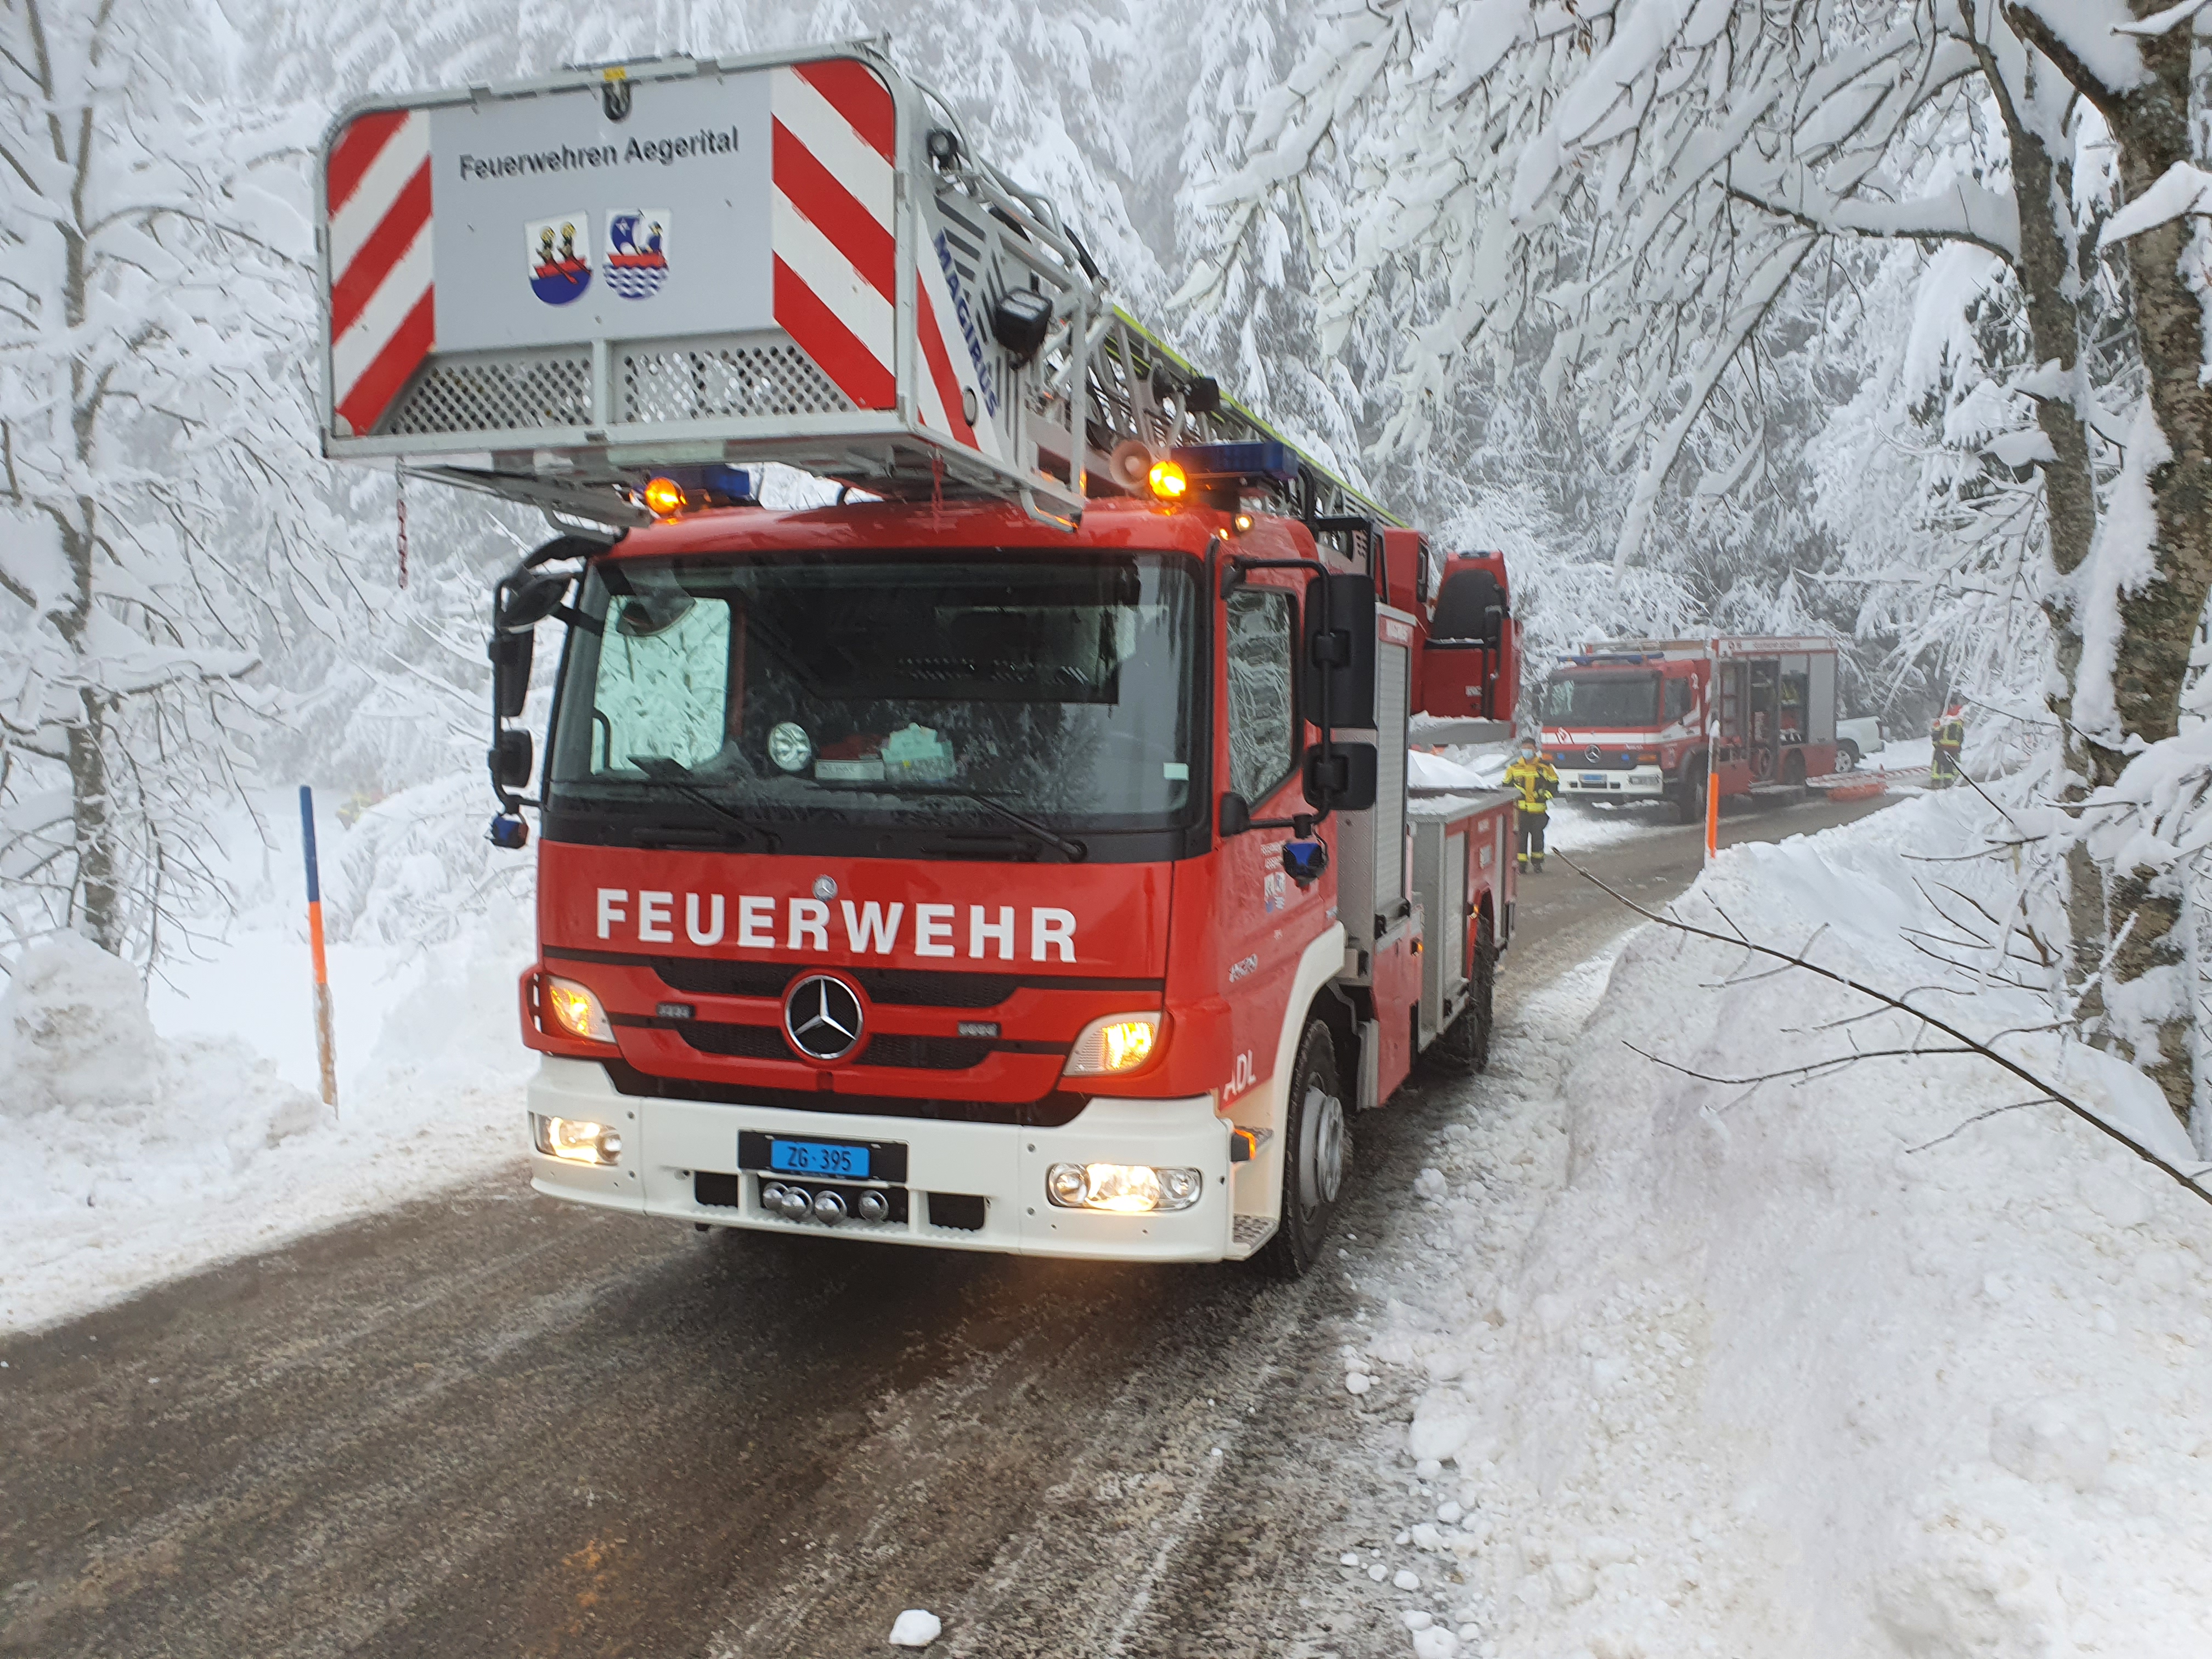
523	602
1235	815
1340	652
510	655
513	757
1342	778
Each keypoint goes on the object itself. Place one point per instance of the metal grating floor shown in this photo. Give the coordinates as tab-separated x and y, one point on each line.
706	382
510	395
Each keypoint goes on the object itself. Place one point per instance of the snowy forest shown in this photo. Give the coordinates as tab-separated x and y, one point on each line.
1886	321
1881	321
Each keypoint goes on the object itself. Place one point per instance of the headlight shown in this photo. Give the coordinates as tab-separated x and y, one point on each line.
575	1009
575	1140
789	746
1129	1189
1114	1046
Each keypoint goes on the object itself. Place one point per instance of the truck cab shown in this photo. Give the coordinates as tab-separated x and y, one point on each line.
938	877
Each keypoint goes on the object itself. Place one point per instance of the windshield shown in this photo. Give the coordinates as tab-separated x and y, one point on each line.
893	688
1601	700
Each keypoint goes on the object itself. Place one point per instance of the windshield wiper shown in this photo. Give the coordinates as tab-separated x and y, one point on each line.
673	773
1072	850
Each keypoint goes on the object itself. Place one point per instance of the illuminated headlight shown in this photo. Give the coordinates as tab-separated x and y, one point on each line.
789	746
577	1141
1114	1046
576	1011
1129	1189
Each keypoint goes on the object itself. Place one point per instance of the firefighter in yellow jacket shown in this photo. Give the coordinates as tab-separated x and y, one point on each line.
1949	737
1538	781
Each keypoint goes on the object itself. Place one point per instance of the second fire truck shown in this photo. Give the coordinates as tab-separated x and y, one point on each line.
1012	855
1651	719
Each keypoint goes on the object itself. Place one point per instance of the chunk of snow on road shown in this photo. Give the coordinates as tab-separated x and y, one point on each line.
1430	1183
1357	1382
1436	1643
2054	1439
916	1627
1406	1579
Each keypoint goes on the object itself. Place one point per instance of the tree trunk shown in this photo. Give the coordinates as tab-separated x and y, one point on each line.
2049	270
97	904
2150	125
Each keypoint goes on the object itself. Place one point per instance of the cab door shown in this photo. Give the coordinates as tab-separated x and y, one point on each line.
1261	918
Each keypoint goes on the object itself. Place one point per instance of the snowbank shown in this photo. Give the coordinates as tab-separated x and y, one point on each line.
1829	1369
145	1145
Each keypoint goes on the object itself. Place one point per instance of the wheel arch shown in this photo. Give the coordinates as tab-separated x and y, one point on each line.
1313	992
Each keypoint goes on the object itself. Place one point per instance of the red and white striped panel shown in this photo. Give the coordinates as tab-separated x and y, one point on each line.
383	310
830	223
950	384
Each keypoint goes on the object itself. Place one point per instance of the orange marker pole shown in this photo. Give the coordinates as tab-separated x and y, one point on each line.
1712	748
323	1040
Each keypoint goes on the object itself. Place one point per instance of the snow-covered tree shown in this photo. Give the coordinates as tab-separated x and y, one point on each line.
153	301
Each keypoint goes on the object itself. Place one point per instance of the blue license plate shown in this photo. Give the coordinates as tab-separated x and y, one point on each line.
836	1159
1593	777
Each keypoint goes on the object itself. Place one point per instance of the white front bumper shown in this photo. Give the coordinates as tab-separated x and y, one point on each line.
1646	781
666	1143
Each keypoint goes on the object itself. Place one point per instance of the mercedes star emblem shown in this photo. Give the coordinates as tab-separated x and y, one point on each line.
822	1018
1591	754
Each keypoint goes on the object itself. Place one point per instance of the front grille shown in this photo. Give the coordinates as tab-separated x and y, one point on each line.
736	1042
910	988
889	986
927	1053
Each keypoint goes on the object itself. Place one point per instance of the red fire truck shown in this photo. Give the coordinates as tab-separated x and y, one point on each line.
1630	720
1014	855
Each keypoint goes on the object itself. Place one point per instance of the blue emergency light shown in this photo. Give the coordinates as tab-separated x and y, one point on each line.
1258	460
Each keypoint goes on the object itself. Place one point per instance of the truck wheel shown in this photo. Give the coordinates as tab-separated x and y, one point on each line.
1465	1044
1317	1158
1690	798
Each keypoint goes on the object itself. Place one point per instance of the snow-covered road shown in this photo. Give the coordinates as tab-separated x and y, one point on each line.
482	1414
1612	1363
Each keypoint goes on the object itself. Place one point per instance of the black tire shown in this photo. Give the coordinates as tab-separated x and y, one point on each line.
1690	796
1316	1158
1847	756
1464	1045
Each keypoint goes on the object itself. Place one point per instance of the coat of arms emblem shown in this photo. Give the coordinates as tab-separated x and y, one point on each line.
637	252
560	257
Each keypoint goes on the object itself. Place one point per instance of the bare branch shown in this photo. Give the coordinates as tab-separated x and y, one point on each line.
2187	1182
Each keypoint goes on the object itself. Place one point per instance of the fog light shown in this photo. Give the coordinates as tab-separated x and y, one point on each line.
873	1206
1125	1188
772	1196
577	1141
